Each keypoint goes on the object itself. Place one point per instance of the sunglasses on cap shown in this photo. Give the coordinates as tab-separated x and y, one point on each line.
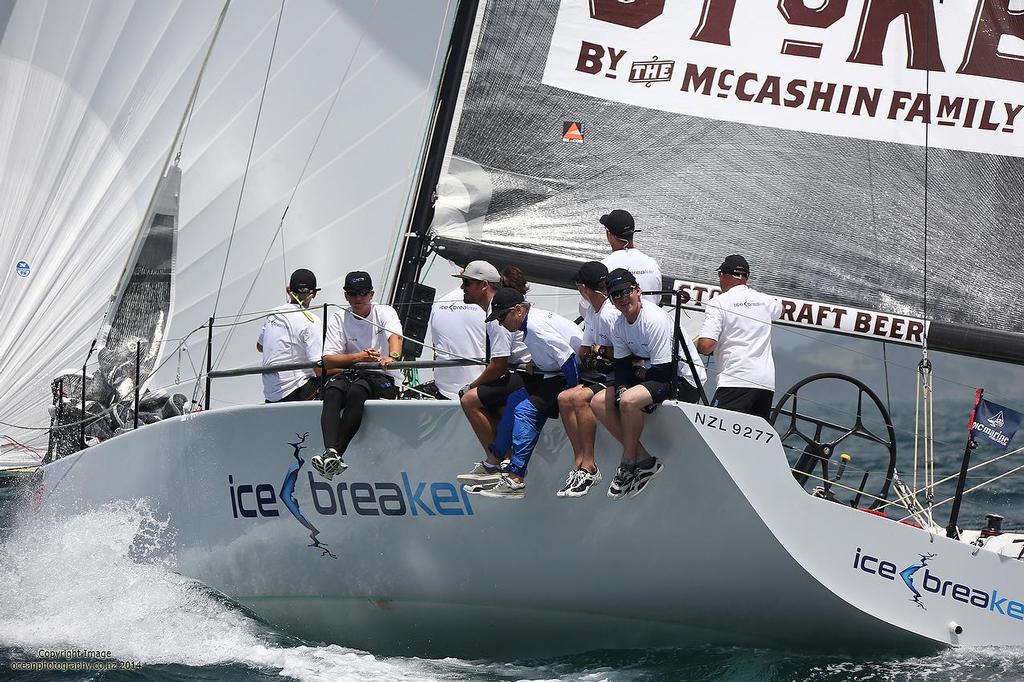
619	295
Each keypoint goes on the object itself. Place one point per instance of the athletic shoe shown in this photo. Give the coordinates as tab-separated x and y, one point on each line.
328	464
583	483
482	473
506	489
622	483
644	476
570	481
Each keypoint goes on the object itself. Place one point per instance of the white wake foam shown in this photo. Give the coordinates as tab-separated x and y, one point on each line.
93	582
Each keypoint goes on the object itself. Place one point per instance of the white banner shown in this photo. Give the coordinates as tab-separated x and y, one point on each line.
906	71
826	316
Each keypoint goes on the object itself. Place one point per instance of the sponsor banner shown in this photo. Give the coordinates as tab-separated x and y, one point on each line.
995	423
827	317
867	69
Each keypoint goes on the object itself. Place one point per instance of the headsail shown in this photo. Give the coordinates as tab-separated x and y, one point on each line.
809	139
93	93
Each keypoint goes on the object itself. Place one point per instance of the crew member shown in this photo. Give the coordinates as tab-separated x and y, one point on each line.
551	340
595	355
619	230
365	332
292	334
483	398
738	330
457	332
643	339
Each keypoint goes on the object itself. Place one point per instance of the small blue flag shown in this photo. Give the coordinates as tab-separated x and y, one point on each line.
995	422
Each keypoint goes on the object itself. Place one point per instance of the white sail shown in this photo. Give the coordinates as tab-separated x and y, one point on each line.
93	93
99	91
349	202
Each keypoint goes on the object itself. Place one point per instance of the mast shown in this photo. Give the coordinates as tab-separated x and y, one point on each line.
417	245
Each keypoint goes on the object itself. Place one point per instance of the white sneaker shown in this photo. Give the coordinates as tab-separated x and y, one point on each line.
506	489
570	481
643	476
583	483
328	464
483	474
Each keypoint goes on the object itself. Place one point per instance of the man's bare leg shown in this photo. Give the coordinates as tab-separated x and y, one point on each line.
632	419
603	406
587	424
567	411
481	421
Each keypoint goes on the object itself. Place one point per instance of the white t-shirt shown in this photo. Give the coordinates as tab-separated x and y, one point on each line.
650	337
506	344
458	328
740	321
551	338
643	267
598	324
349	333
289	336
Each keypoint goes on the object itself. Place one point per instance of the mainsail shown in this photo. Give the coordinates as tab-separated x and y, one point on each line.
847	150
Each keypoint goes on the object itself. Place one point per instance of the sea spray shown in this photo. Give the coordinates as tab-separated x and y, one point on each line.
100	581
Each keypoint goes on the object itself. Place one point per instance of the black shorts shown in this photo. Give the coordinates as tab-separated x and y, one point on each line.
756	401
379	385
306	391
494	394
661	390
596	381
543	393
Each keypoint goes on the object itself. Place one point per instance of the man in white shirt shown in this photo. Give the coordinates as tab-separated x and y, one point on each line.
458	328
643	339
485	397
552	341
619	229
595	355
738	330
292	334
366	332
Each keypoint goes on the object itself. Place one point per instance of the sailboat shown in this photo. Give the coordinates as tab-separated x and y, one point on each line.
532	118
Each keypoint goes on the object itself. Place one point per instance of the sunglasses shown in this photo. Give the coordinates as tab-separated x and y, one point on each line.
466	282
359	294
619	295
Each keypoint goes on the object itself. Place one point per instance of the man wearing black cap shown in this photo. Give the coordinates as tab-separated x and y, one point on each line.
643	338
619	229
596	362
365	332
292	334
484	398
738	330
552	341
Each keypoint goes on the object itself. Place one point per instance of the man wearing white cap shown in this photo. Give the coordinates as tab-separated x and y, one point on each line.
483	398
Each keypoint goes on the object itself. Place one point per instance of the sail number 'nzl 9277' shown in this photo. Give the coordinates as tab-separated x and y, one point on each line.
716	423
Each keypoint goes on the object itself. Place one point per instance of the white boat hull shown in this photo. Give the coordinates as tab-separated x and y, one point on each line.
724	546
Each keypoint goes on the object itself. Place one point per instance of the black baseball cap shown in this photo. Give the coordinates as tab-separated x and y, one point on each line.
303	281
592	274
735	265
358	282
504	300
619	223
620	279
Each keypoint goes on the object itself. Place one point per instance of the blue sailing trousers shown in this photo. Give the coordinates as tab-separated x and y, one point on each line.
518	429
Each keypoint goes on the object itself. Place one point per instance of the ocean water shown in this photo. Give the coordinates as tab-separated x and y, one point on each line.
88	583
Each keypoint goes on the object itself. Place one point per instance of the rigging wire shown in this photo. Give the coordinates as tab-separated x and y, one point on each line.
190	107
298	182
248	160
